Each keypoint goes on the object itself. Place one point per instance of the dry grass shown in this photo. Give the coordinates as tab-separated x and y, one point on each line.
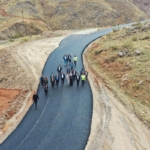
129	74
69	15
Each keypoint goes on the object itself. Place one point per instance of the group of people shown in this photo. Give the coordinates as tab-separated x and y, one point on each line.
67	60
71	75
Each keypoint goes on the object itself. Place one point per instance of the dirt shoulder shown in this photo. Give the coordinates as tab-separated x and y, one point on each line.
114	126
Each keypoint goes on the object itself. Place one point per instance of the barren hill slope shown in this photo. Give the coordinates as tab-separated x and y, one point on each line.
70	14
143	5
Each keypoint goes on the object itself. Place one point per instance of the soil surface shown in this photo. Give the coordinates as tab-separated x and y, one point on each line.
7	97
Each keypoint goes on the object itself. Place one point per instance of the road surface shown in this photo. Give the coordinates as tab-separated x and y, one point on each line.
63	119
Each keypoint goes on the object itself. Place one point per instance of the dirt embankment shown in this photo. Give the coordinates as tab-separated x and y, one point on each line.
121	58
114	127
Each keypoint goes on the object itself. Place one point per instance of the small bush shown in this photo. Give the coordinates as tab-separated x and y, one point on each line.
136	86
17	35
114	47
11	40
128	45
108	35
115	30
134	38
25	39
145	37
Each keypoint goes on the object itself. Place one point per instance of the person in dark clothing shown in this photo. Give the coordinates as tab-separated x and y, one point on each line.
69	58
59	69
62	78
74	74
71	79
35	99
45	81
41	80
68	70
65	59
52	79
57	79
77	79
82	72
46	89
71	65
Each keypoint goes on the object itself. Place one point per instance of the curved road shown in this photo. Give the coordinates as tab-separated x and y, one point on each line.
63	119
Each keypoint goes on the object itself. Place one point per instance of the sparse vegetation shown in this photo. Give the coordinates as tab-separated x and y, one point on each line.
17	35
128	44
134	38
25	39
11	40
146	37
130	73
114	47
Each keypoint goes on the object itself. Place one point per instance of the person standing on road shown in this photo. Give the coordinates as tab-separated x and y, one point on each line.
59	69
75	60
45	81
41	80
82	72
71	66
69	58
68	79
71	79
77	78
68	70
35	99
57	80
74	74
62	78
52	79
46	89
83	79
65	59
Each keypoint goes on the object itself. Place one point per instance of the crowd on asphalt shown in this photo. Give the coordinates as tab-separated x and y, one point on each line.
71	76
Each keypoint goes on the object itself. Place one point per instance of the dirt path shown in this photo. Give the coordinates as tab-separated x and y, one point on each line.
113	126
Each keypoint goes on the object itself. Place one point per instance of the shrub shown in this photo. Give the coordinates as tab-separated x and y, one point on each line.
11	40
25	39
145	37
134	38
114	47
128	44
115	30
136	86
17	35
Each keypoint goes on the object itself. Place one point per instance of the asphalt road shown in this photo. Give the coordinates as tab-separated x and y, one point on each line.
63	118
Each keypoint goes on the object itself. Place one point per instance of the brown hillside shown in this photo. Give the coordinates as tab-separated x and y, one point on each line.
122	60
69	14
